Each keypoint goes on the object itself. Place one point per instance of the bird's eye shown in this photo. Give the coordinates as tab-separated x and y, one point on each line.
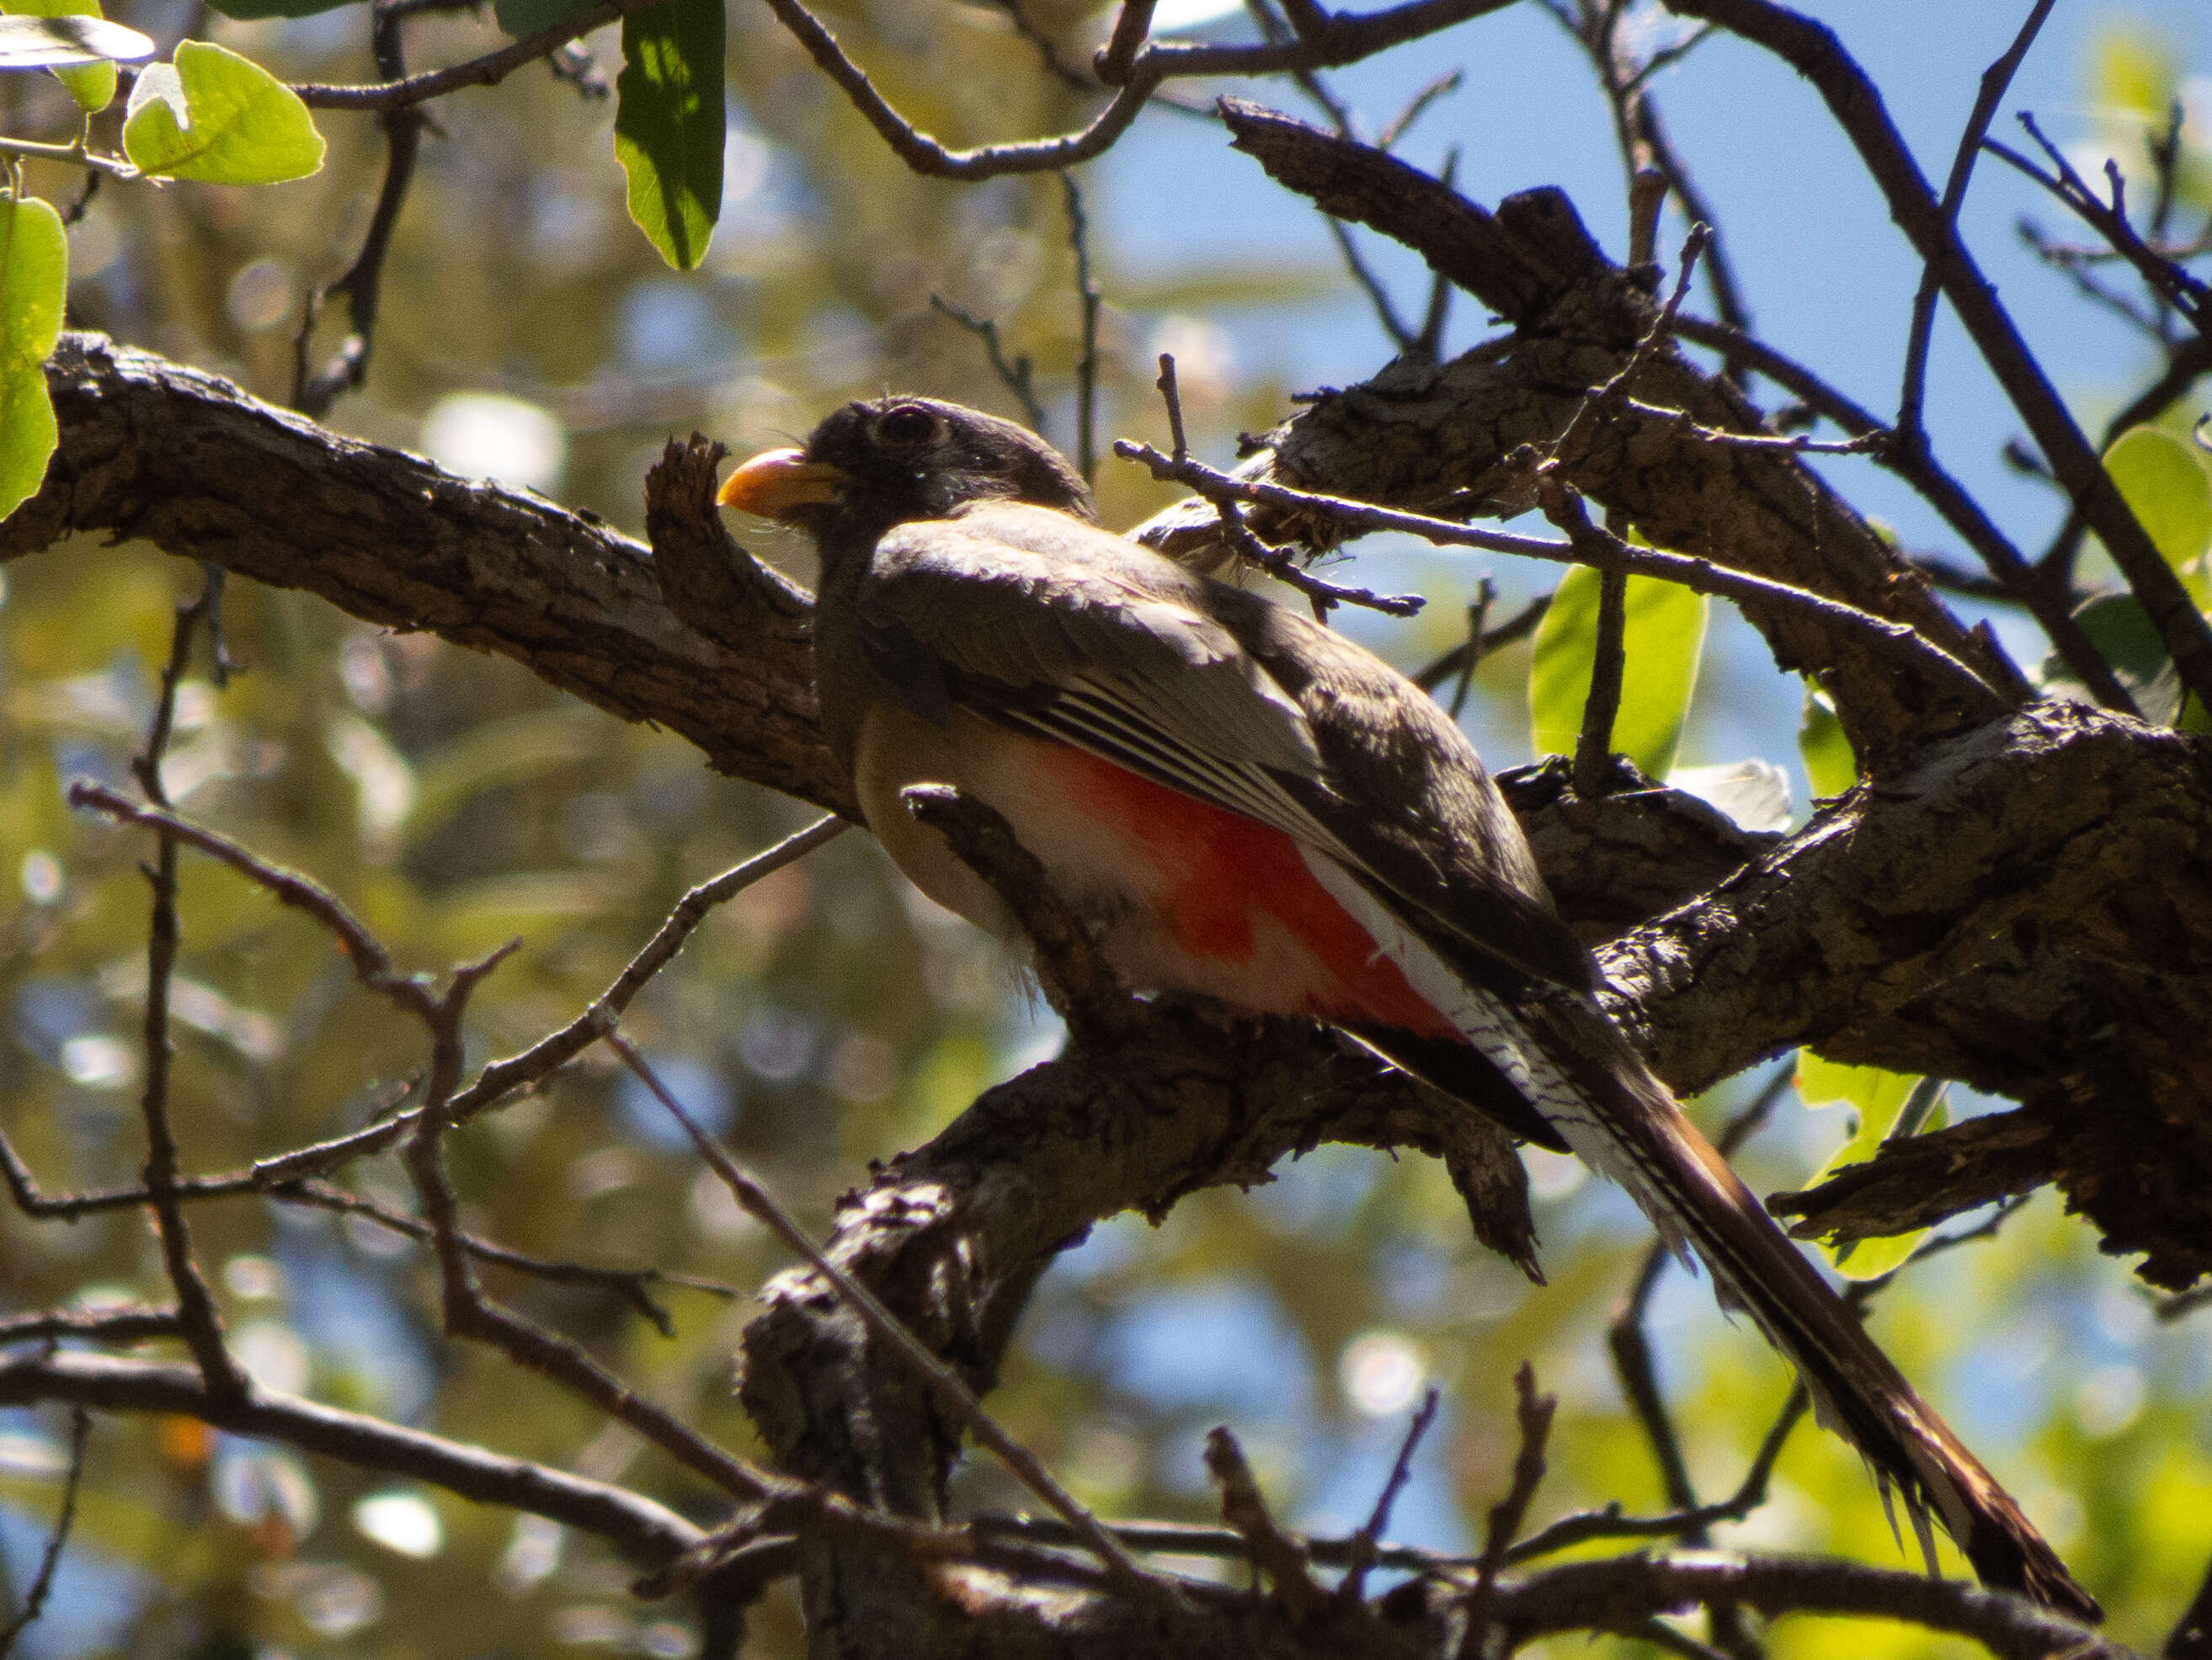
906	426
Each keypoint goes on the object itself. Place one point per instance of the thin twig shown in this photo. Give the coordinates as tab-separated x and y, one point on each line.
1016	377
1533	1413
470	1313
758	1202
2044	595
2165	277
1277	563
372	966
137	1323
1171	396
1593	763
202	1324
628	1283
1429	344
1995	80
1378	296
1134	67
1477	619
313	392
1086	360
1466	658
1443	87
1599	401
488	70
1354	1582
1274	1553
42	1584
1588	546
1814	50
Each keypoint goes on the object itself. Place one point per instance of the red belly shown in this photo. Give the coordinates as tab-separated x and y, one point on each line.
1219	878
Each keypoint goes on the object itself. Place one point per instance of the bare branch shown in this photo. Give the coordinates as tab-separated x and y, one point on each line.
764	1208
1995	80
1812	49
1363	1544
42	1582
113	1384
1134	71
488	71
1589	546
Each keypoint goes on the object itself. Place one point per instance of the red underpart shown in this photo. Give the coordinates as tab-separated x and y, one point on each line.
1219	874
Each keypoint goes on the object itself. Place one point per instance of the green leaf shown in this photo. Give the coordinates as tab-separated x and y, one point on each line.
2125	637
62	34
1880	1100
524	18
668	125
34	282
253	10
1665	631
1831	768
2171	494
219	118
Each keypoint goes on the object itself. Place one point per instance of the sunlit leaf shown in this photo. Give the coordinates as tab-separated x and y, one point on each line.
1664	632
1830	766
219	118
2170	492
668	126
34	281
30	40
1880	1097
92	85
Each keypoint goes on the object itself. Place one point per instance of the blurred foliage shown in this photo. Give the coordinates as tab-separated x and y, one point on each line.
826	1017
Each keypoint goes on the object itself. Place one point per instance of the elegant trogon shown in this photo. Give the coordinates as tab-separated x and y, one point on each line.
1242	802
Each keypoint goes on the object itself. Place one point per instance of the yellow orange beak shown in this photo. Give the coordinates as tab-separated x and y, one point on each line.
772	484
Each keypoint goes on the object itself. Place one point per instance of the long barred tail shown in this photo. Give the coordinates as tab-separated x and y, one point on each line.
1562	1056
1579	1072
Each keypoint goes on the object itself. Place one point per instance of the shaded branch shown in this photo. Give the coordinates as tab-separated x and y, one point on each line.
105	1383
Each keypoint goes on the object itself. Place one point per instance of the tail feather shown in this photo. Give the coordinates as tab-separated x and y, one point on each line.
1560	1055
1628	1124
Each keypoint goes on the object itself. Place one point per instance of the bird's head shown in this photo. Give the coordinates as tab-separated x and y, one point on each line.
884	461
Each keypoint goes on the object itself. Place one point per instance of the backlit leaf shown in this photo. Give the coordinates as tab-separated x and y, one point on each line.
219	118
1880	1097
668	126
2166	484
1831	768
34	281
31	40
1665	630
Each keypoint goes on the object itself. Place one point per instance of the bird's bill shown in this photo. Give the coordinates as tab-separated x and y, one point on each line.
772	485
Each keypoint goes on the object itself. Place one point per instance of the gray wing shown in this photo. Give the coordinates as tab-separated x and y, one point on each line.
1062	630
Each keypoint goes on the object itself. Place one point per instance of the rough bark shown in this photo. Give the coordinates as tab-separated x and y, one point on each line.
184	459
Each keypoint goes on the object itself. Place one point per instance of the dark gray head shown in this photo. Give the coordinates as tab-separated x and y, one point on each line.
885	461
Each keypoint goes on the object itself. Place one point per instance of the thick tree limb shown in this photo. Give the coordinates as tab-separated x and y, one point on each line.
2051	941
186	461
2037	918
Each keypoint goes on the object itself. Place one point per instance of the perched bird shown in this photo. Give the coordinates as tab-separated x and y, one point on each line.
1240	801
